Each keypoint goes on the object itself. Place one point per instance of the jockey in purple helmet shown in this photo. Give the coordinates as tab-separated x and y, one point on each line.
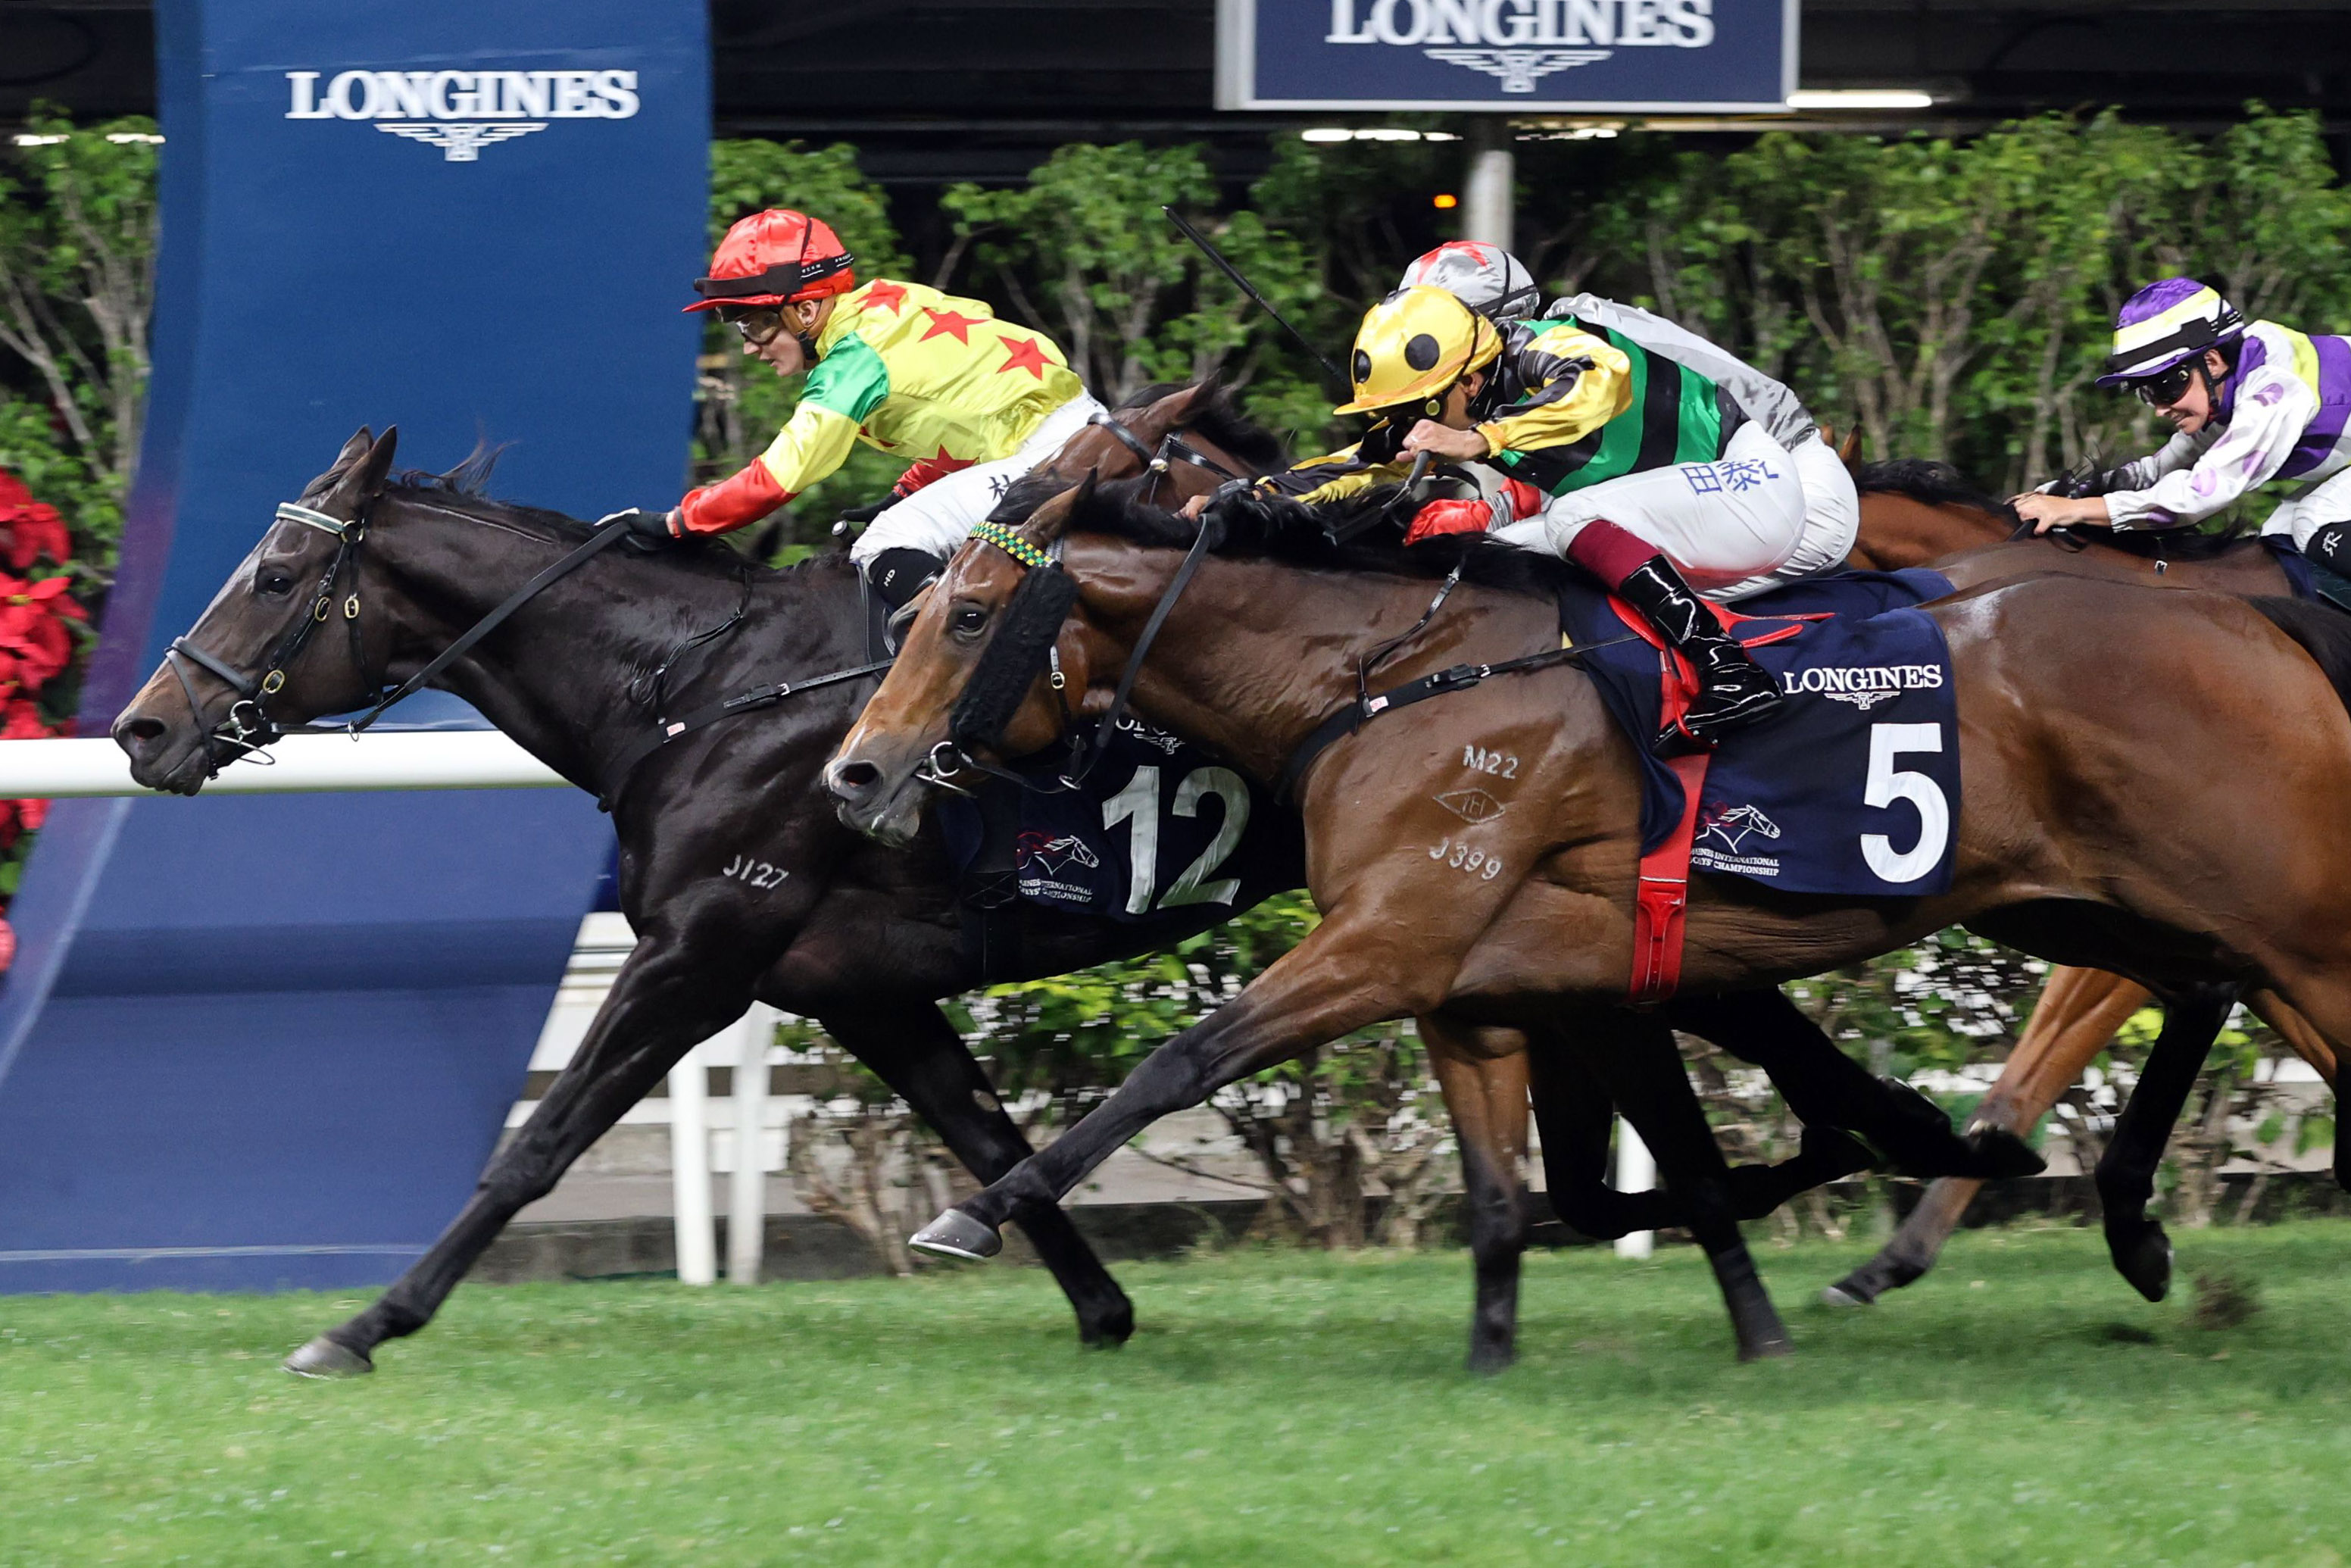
2250	402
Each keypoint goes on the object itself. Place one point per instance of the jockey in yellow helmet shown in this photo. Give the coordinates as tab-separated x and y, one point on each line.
1582	422
972	402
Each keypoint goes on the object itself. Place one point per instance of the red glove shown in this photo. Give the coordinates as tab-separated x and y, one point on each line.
1449	518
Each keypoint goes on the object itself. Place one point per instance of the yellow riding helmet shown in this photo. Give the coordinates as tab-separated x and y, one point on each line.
1413	346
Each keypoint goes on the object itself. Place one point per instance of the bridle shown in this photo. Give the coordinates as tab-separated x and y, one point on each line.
247	729
953	754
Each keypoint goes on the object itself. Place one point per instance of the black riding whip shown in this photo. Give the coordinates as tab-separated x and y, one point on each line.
1246	287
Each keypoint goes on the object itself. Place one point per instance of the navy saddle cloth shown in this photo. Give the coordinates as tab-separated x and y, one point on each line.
1162	833
1853	788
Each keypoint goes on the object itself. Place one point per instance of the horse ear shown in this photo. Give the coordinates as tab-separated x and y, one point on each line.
362	479
353	450
1849	453
1049	522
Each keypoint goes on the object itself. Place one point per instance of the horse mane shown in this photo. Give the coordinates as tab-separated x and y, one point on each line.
1934	484
464	490
1293	533
1930	484
1214	417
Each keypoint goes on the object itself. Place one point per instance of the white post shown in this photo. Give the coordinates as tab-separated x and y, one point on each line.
689	1164
746	1197
1636	1171
1486	201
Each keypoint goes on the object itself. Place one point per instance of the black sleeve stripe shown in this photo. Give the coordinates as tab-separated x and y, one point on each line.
1661	415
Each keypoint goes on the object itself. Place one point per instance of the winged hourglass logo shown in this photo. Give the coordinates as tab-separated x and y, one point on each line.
1518	69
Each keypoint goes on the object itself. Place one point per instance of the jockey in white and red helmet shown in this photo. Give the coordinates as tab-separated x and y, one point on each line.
2248	402
973	402
1496	284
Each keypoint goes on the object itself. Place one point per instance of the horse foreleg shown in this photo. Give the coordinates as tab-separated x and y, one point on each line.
913	1049
662	1005
1634	1056
1344	974
2078	1013
2126	1174
1485	1092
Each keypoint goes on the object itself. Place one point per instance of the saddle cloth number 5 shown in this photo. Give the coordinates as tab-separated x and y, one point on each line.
1138	805
1887	784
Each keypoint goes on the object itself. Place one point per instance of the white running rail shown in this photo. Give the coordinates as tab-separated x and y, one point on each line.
392	760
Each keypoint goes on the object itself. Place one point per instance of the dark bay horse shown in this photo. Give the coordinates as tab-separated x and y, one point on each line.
860	940
2097	724
1919	514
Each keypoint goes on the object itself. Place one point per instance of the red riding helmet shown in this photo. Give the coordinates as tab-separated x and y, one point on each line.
776	258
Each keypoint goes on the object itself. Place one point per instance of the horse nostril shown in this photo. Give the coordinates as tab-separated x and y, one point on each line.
139	731
852	780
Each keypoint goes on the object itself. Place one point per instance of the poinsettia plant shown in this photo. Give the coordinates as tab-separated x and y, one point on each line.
40	627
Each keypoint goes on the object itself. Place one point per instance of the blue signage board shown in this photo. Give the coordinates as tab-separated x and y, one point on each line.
1524	56
269	1040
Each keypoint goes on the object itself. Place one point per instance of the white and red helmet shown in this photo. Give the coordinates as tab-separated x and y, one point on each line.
1486	278
776	258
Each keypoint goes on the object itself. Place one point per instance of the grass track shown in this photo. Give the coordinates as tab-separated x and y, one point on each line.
1275	1408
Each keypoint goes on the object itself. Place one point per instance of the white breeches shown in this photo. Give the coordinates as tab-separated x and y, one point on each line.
939	517
1726	526
2328	501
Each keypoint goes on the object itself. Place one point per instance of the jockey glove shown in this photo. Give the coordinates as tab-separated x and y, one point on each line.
897	575
648	530
868	513
1449	518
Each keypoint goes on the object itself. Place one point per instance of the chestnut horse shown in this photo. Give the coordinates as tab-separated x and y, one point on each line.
2100	730
1918	514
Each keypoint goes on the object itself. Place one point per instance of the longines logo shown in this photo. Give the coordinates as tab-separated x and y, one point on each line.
1509	28
461	112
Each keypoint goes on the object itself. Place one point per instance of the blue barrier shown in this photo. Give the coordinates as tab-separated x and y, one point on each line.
270	1041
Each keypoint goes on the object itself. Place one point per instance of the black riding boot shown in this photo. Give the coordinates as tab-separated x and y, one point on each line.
1733	691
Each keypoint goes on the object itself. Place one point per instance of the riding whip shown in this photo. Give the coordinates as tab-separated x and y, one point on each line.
1246	287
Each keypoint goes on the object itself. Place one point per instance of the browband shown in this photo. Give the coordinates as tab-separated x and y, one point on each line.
289	512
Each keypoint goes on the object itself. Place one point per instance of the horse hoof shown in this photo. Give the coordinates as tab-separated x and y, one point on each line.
2000	1155
1485	1360
1770	1348
2146	1261
1847	1292
1110	1330
958	1234
324	1357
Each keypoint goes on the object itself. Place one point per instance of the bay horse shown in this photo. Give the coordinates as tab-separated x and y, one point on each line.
2080	772
1916	513
862	941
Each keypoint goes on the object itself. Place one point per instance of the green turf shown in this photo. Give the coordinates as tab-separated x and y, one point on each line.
2021	1407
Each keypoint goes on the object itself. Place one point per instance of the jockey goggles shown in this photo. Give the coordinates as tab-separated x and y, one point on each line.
757	323
2168	387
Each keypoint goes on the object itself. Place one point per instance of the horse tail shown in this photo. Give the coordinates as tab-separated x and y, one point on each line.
2323	632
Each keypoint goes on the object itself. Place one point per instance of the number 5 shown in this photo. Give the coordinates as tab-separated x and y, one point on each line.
1887	784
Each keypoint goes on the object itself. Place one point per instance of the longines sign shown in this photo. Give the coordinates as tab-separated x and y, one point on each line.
1720	55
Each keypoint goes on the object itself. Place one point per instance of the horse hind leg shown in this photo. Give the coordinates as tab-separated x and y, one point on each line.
2078	1013
915	1051
2125	1173
1636	1061
1485	1092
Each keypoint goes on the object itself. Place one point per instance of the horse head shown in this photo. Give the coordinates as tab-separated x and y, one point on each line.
249	663
987	671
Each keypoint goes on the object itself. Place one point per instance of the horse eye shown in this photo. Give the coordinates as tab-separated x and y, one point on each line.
968	619
275	584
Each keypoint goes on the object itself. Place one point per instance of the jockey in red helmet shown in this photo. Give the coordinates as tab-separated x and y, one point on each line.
972	401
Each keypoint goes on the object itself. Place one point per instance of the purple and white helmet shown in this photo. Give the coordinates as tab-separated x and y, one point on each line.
1486	278
2169	321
